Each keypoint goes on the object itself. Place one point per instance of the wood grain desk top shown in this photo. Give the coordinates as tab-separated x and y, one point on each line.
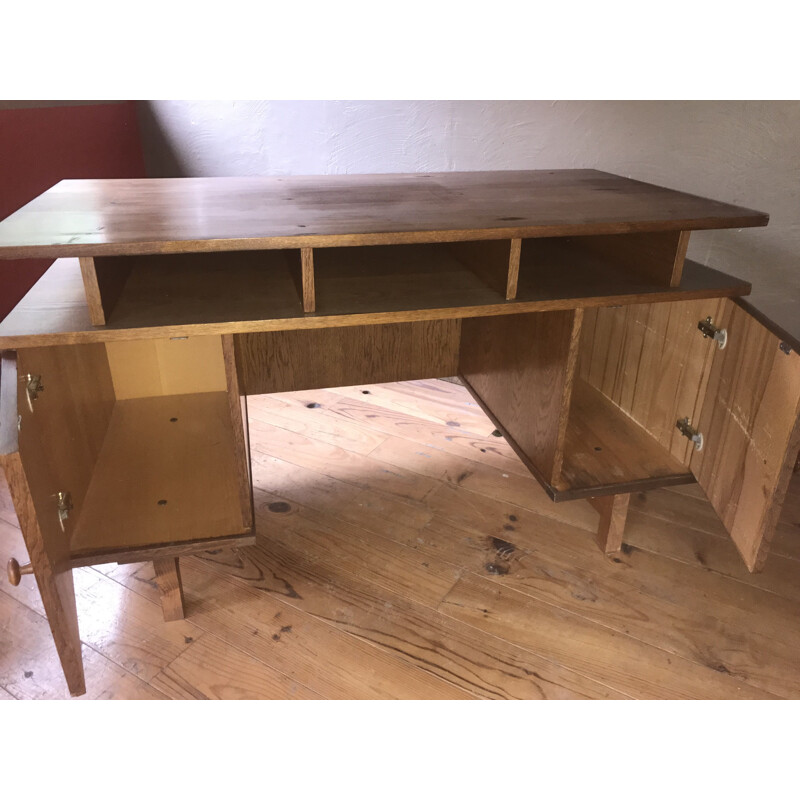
175	215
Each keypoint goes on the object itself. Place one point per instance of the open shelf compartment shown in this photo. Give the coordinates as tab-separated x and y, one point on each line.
552	268
169	290
193	288
394	278
258	291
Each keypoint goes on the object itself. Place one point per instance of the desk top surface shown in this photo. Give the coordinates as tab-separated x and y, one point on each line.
173	215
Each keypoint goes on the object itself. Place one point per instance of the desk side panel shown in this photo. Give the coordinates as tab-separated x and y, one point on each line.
521	369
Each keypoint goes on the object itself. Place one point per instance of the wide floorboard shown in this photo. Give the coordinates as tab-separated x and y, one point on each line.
404	552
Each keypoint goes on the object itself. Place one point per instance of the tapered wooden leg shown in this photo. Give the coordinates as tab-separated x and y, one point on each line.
613	510
168	578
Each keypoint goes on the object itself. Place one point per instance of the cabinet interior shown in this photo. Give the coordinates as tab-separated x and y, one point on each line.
147	439
590	398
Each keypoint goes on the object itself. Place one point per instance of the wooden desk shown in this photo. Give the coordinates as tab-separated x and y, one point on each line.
563	299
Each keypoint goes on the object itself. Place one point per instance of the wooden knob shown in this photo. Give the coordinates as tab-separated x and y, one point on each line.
15	571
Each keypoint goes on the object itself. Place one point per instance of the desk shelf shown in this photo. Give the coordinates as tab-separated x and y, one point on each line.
203	288
555	269
398	278
409	280
258	292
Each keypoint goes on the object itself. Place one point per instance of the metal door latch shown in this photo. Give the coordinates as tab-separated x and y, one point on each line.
690	433
711	331
64	505
33	387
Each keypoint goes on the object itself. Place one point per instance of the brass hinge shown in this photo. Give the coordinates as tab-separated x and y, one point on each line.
33	387
690	433
711	331
64	505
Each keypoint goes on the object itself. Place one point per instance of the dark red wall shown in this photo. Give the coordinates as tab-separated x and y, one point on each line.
41	146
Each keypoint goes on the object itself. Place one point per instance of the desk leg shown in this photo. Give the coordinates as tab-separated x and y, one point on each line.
613	510
168	578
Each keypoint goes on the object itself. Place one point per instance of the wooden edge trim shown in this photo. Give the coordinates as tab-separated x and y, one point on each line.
769	522
307	277
513	269
566	392
9	413
148	552
91	286
241	435
629	487
249	520
680	258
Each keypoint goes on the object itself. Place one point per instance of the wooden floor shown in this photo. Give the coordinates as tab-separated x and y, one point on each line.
404	552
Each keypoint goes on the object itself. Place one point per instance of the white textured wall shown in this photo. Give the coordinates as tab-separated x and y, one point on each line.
744	152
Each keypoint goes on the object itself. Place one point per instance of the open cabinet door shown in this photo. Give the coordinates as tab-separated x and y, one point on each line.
30	484
751	431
